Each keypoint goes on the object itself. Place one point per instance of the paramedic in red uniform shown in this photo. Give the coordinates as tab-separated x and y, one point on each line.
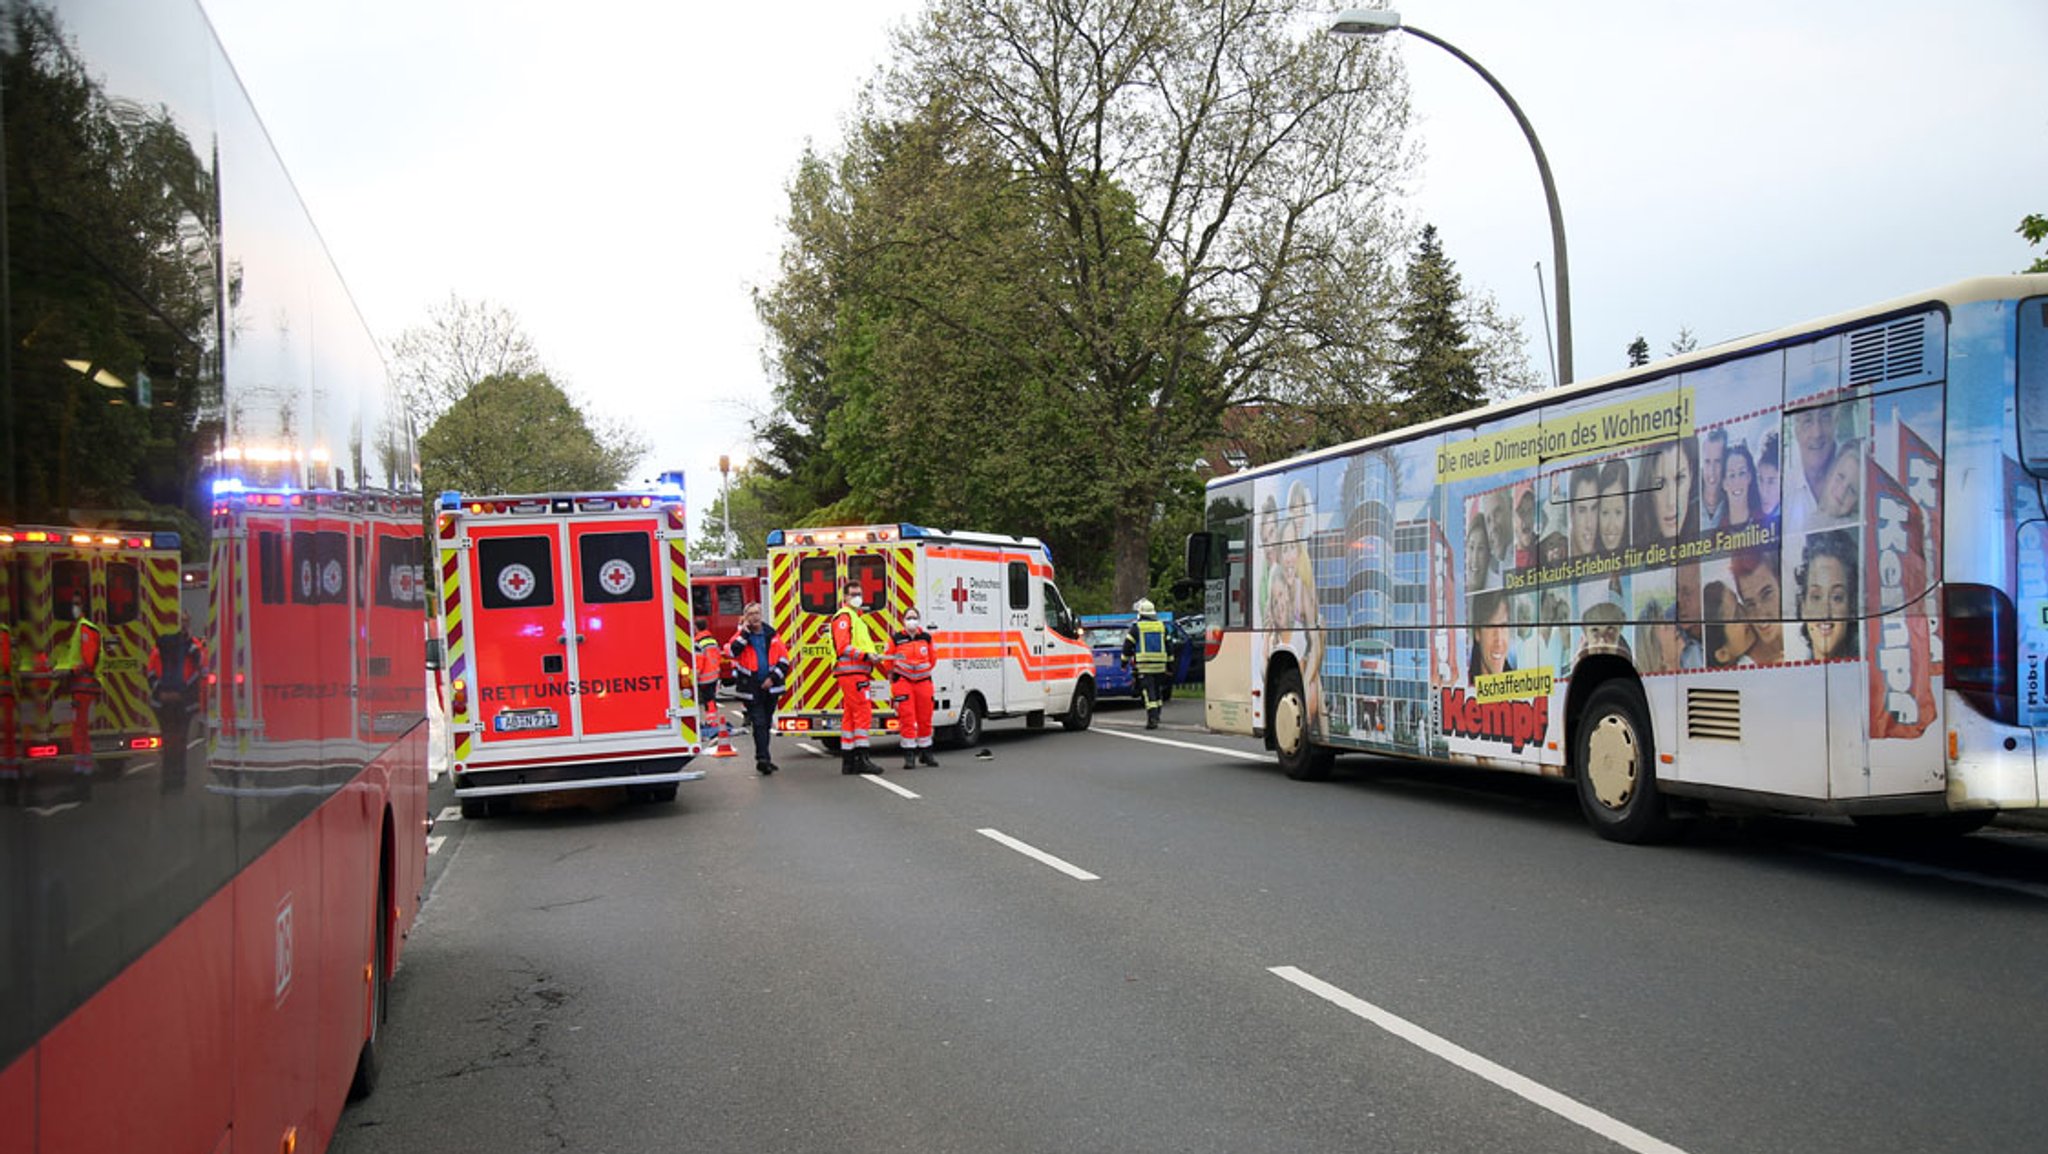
83	670
857	644
710	669
911	661
760	667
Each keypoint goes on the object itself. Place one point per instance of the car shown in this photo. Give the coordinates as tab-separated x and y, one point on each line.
1105	634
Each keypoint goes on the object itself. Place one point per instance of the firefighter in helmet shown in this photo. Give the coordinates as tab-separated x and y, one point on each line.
1146	648
857	645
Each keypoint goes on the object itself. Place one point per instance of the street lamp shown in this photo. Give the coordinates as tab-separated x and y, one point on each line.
725	522
1379	22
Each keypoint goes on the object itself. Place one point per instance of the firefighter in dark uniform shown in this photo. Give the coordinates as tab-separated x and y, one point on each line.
1146	648
177	667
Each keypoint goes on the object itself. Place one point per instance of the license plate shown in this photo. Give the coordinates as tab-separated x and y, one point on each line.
514	720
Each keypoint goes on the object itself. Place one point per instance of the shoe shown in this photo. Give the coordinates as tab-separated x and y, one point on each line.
910	763
848	763
1151	723
769	767
926	758
763	768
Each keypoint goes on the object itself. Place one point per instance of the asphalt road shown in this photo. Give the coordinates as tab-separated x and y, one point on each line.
1395	960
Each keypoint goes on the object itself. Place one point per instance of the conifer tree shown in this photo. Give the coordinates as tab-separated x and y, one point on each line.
1638	352
1438	374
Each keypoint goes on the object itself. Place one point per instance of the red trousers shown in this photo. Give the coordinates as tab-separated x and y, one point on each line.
914	712
856	710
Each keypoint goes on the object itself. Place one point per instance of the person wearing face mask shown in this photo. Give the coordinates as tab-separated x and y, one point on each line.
911	661
858	645
760	668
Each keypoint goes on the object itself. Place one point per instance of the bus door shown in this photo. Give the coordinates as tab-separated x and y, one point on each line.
620	643
1023	637
519	620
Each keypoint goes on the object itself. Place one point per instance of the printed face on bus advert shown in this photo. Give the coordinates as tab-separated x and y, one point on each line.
1756	583
1585	508
1842	490
1674	485
1737	478
1767	487
1824	605
1492	636
1478	554
1614	509
1713	454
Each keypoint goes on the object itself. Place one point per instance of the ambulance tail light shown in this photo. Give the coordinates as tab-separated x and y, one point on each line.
458	700
42	750
675	517
1981	649
145	743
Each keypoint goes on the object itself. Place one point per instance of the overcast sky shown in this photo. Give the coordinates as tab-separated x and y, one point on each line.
613	172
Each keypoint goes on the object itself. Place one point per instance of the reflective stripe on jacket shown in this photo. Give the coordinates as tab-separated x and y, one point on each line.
1147	639
747	675
911	656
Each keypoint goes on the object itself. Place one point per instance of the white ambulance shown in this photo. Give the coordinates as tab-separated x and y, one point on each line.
1007	645
569	656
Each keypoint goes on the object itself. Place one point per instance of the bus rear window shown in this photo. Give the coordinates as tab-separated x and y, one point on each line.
2033	385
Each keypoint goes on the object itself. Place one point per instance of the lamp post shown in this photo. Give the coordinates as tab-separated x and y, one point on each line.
725	495
1379	22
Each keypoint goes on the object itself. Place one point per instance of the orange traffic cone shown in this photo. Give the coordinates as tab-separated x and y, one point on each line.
725	748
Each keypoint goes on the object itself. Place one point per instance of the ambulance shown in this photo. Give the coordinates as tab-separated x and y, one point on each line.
566	618
314	600
1007	645
128	583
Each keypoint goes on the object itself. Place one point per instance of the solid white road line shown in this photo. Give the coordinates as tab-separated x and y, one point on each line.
891	786
448	813
1564	1107
1185	745
807	747
434	845
1072	871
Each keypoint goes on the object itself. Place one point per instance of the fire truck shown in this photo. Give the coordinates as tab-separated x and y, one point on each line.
569	655
1007	644
720	591
127	582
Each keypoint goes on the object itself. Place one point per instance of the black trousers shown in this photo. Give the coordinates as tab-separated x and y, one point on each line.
761	723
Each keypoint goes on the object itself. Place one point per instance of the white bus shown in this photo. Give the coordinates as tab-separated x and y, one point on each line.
1806	571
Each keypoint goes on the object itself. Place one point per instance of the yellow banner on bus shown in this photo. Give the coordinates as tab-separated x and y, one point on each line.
1637	421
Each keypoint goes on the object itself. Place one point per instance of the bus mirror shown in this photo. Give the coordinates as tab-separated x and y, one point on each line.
1200	545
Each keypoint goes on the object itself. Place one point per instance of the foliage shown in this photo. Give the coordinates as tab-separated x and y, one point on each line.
518	434
113	305
462	342
2034	228
1638	352
1439	374
1063	241
1684	342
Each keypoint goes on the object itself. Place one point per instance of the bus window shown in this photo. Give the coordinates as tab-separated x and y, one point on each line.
817	587
2033	385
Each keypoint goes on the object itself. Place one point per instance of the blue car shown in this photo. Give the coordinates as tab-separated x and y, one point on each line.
1105	634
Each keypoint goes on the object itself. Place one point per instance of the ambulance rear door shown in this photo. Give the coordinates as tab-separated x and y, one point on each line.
621	641
519	617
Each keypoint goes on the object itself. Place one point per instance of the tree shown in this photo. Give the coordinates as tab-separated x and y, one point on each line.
2034	227
1684	342
519	434
1438	374
435	364
1638	352
1120	218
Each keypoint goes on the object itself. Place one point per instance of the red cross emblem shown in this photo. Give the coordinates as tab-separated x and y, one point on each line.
871	585
818	586
120	601
959	595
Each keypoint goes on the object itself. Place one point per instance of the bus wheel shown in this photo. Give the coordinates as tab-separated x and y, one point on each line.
1081	710
367	1061
1614	760
967	731
1299	757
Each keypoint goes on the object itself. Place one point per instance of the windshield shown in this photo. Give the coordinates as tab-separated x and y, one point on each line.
2033	385
1105	635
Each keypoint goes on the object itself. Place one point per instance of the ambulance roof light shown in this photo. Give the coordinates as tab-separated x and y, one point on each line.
670	485
222	486
774	537
451	500
909	531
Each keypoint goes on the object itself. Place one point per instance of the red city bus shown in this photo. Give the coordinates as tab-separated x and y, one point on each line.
197	933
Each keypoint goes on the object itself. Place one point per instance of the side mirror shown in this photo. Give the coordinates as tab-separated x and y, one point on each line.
436	653
1200	547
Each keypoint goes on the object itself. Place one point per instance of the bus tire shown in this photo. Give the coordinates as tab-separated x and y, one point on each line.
966	730
368	1061
1614	761
1300	758
1081	710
